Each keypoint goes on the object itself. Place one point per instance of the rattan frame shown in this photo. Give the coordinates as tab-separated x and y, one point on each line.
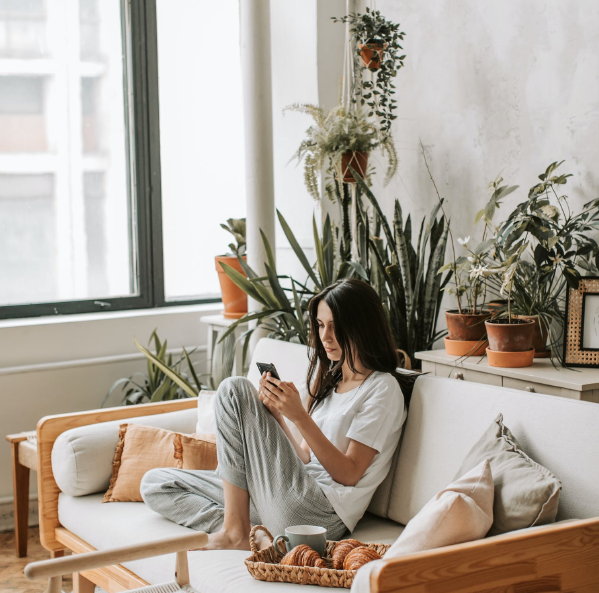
575	355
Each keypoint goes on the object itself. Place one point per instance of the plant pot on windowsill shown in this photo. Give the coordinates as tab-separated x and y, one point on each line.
510	343
372	53
235	301
357	160
467	335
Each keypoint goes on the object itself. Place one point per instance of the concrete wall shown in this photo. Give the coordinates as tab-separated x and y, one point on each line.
494	87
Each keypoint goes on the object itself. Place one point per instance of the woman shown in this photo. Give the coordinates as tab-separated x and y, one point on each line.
349	431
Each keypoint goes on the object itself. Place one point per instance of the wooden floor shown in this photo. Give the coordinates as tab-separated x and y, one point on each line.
12	579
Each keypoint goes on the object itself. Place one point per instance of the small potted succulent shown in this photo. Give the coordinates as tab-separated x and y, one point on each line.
339	141
235	301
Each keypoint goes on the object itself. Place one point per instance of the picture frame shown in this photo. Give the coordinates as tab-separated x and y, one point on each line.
581	335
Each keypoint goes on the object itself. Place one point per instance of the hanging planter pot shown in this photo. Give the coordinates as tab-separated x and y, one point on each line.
235	301
510	344
372	53
357	160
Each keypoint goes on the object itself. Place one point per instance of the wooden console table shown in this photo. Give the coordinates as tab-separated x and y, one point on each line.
541	377
24	459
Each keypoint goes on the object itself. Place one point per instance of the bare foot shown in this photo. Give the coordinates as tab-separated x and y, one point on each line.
223	540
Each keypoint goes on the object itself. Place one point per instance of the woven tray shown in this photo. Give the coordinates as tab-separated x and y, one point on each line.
264	565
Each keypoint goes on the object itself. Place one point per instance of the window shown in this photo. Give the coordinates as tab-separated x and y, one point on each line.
84	211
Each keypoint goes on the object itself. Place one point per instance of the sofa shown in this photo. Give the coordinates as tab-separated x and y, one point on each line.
446	417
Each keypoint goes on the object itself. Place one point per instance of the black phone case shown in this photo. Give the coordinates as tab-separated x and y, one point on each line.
268	367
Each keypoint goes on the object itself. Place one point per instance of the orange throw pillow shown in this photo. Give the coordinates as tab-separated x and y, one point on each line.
142	448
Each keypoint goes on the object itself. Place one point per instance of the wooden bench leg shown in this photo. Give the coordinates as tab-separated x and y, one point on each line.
20	477
81	584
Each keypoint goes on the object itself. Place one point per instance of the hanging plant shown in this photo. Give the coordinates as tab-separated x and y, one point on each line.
377	41
333	143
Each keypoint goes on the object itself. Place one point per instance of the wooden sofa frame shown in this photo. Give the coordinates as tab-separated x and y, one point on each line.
561	558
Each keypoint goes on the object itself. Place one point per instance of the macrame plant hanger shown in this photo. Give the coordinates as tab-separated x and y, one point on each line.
347	91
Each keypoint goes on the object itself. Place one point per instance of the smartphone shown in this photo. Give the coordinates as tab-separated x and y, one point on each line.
268	367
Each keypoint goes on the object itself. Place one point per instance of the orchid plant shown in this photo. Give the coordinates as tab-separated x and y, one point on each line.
472	268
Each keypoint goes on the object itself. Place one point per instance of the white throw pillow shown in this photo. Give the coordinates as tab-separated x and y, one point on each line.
206	423
461	512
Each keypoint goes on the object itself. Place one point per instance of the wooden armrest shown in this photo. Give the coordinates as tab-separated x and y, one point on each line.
48	429
557	559
56	567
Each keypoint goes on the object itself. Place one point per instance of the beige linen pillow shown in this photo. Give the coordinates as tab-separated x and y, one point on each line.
461	512
142	448
526	493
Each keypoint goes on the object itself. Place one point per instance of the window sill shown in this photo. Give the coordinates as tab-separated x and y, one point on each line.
42	340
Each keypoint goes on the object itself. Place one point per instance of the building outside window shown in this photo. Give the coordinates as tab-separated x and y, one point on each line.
76	231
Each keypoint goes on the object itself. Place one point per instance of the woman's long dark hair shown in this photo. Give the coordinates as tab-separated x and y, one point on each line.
361	328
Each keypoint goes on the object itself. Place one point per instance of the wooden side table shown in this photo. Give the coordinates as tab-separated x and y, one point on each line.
24	459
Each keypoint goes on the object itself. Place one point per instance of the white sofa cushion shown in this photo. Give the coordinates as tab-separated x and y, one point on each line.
447	416
82	457
122	523
290	359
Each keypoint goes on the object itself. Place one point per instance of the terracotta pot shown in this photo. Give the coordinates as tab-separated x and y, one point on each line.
510	337
465	347
466	326
358	160
372	54
511	360
235	300
539	337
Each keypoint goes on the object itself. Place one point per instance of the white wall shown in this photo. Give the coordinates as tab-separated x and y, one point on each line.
494	87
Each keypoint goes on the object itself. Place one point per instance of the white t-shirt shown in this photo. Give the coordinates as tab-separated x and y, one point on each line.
372	414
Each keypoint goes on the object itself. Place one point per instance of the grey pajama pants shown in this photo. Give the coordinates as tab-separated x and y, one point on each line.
254	454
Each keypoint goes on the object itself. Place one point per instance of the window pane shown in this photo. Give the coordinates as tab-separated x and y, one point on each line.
27	234
65	232
201	138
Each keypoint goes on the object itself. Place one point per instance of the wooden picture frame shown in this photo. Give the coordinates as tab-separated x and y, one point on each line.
581	339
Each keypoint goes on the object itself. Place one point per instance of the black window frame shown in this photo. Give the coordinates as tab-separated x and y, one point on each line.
139	34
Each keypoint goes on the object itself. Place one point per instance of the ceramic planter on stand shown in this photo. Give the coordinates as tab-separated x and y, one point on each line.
357	160
467	334
510	344
235	301
372	54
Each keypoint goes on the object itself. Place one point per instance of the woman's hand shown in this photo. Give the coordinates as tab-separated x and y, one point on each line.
281	398
266	401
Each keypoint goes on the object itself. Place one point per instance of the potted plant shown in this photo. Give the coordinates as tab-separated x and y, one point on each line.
377	41
467	335
234	299
559	245
339	141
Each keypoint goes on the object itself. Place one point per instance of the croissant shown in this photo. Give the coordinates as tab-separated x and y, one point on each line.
358	557
341	549
303	555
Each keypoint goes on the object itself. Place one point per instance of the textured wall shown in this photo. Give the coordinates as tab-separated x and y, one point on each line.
495	87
